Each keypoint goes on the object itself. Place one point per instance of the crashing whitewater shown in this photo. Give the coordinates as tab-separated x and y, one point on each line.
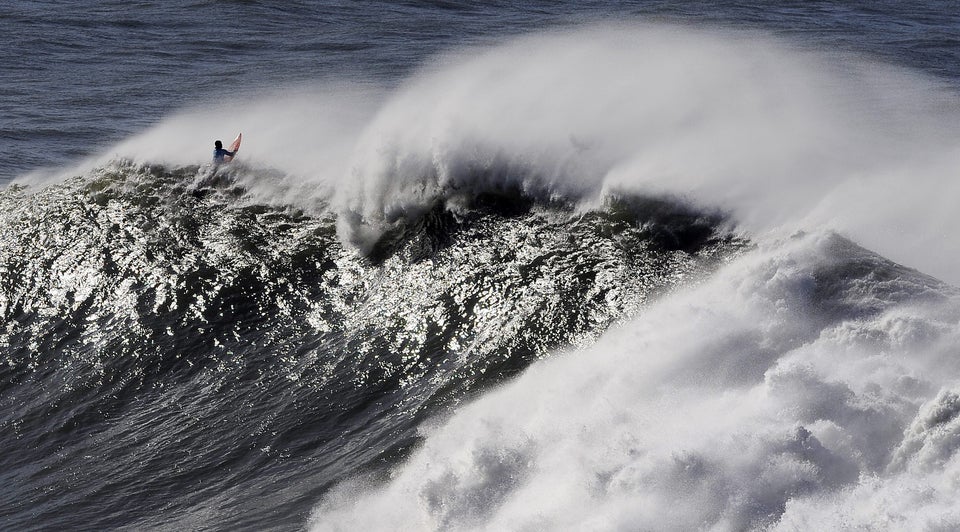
807	383
810	385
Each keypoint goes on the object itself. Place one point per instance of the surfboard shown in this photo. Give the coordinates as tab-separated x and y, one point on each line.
233	147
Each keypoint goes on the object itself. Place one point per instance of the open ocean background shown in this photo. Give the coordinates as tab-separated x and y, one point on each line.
480	266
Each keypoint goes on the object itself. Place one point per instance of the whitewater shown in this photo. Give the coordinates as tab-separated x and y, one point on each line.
610	276
807	385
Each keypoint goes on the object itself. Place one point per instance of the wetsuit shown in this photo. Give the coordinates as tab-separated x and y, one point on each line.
219	153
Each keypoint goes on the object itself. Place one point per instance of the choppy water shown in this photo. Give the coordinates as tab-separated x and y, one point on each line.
479	266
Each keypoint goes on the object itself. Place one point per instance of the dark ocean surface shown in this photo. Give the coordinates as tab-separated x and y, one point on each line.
480	266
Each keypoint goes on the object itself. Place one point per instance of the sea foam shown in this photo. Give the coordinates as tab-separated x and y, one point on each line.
789	390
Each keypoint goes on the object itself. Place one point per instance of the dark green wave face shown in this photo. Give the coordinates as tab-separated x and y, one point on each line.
164	333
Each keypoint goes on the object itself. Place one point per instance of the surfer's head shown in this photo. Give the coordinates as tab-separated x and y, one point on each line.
218	145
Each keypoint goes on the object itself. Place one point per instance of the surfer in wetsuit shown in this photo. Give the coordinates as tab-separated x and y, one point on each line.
219	153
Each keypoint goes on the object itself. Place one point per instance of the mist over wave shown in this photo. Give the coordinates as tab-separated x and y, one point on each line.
777	135
784	137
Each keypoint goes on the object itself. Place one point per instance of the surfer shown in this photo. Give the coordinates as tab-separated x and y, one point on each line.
219	153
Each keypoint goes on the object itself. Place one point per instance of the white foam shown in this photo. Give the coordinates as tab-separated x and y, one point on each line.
720	408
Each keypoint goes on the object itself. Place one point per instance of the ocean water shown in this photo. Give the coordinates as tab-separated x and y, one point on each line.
480	266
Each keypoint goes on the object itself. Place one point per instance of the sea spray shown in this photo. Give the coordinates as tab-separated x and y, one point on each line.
782	136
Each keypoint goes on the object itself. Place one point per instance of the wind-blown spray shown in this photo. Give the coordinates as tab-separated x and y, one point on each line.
779	136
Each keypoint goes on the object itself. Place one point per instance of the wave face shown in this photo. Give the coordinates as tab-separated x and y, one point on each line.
167	338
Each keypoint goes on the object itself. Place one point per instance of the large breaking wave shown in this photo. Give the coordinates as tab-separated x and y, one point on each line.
323	326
